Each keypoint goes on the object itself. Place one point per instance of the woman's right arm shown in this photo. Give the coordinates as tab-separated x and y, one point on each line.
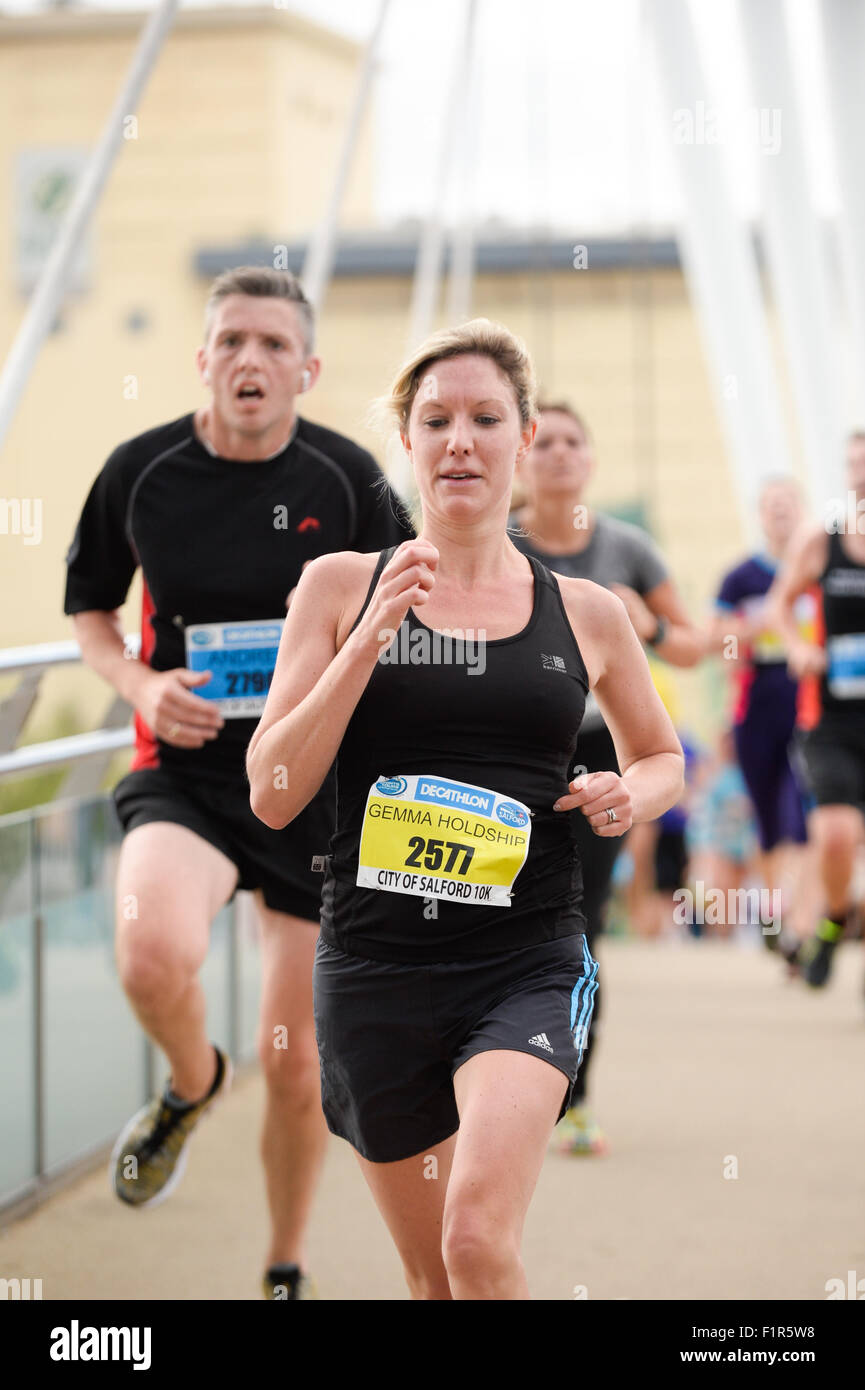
321	672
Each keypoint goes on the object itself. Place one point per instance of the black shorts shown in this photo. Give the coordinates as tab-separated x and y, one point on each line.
279	862
390	1036
671	860
834	756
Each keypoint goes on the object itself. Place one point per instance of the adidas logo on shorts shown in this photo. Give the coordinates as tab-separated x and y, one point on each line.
541	1040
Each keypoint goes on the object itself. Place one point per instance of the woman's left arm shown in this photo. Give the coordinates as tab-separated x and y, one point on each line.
647	748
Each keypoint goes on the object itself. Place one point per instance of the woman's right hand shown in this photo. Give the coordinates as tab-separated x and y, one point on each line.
404	583
173	713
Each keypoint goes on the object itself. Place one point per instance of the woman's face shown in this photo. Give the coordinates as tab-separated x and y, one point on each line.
464	434
560	459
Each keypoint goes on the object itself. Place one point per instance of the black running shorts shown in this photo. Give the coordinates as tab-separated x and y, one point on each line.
671	860
276	861
391	1036
834	756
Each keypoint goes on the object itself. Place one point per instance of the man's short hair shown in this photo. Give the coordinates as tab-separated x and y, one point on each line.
262	282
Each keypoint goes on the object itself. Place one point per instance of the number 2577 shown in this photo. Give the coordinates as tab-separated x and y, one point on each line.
434	857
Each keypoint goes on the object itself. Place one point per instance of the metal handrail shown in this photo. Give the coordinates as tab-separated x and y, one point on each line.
95	748
36	756
46	654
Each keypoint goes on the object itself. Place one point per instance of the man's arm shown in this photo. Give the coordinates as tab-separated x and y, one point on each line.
661	612
162	698
101	639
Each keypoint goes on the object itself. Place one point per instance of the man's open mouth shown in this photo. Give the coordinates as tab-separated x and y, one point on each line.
250	393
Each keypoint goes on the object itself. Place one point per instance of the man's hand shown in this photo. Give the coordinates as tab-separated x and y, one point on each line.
174	714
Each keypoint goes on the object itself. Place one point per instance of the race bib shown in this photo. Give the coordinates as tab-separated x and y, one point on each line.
241	656
432	837
845	675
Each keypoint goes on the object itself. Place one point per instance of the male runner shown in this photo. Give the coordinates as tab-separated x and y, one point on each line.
221	509
557	528
832	556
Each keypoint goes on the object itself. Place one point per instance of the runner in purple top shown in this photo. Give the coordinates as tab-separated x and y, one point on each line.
764	715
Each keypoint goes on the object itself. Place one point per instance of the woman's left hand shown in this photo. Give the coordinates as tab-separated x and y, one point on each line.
594	793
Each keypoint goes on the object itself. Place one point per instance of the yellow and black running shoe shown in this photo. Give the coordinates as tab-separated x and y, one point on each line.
149	1158
815	958
289	1283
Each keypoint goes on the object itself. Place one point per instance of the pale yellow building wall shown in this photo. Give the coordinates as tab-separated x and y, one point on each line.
238	135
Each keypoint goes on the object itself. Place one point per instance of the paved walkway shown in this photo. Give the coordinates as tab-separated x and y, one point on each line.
710	1061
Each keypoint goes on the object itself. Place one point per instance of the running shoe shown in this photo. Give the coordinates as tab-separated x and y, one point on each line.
772	939
288	1283
149	1158
791	951
578	1133
816	955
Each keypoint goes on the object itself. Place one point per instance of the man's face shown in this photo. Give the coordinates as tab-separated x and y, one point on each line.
561	457
253	361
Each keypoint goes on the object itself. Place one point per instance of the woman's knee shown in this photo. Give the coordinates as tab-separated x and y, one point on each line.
477	1244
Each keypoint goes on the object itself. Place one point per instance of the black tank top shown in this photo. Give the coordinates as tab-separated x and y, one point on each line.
842	686
510	727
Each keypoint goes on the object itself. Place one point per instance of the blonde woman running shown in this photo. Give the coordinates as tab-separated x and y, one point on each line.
453	983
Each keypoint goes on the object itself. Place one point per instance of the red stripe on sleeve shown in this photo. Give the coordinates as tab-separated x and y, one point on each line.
146	748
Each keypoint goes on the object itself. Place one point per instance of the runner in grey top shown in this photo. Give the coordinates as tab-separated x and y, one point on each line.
557	528
618	554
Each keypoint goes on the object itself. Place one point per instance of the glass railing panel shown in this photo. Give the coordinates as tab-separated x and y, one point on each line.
17	1008
94	1076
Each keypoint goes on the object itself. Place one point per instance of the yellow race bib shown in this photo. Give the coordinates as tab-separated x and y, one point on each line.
431	837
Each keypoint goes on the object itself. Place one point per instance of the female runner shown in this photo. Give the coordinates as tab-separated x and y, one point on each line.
453	983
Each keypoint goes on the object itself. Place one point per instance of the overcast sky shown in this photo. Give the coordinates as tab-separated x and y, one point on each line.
571	135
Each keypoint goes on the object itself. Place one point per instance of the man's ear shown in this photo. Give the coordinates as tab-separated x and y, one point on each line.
312	367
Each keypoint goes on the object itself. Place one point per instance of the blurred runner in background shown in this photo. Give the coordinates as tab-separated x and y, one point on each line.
764	714
831	554
557	527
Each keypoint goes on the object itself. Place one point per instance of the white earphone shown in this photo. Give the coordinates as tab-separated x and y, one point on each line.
207	376
305	381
